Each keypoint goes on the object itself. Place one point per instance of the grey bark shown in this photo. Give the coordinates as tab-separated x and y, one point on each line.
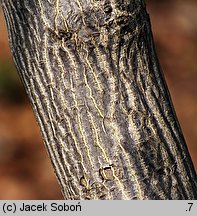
92	75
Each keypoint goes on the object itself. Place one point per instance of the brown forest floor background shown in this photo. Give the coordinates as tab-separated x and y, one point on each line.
25	170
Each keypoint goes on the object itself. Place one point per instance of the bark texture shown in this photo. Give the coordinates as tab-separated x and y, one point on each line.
90	70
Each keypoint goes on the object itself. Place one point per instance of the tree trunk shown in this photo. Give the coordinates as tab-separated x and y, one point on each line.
90	70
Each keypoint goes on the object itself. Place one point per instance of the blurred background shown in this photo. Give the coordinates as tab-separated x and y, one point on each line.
25	170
